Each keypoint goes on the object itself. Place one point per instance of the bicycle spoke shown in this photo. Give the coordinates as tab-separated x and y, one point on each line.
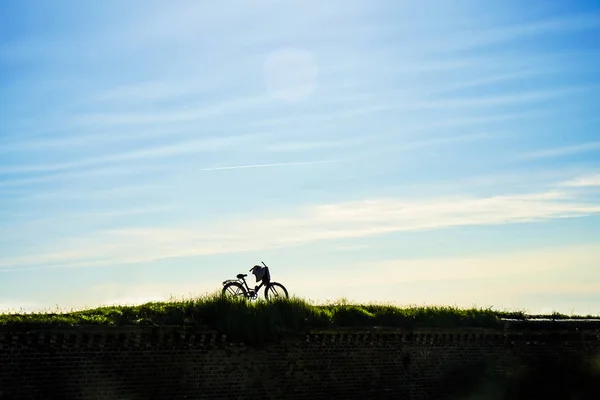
235	291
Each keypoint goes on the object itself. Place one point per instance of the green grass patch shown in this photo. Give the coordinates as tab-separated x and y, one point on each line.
262	320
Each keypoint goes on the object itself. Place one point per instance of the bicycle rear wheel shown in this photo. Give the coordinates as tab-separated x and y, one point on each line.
234	289
275	290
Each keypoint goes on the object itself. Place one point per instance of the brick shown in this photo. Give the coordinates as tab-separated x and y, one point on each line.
170	363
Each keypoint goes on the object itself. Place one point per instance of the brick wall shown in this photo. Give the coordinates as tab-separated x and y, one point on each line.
170	363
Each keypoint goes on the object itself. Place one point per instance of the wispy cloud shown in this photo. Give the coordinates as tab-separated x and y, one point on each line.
494	78
271	165
508	99
99	173
189	113
346	220
309	145
195	146
86	139
584	181
36	221
561	151
108	192
506	33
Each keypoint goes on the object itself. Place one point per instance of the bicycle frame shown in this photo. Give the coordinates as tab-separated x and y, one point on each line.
253	290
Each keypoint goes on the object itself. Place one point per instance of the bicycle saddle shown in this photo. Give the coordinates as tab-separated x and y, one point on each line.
240	276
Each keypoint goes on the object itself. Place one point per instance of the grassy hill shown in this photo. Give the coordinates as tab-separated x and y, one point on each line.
245	320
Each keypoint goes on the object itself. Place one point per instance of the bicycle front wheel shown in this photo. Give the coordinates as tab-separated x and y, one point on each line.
275	290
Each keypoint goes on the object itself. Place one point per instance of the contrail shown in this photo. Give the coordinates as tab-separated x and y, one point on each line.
270	165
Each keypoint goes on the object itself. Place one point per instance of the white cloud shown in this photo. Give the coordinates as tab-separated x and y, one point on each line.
584	181
346	220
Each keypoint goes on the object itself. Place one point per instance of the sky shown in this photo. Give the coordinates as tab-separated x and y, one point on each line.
415	153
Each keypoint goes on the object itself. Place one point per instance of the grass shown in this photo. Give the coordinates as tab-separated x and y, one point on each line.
260	320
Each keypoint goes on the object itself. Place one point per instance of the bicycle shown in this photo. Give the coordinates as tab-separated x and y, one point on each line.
239	287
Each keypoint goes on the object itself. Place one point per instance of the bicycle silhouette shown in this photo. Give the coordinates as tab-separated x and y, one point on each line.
239	288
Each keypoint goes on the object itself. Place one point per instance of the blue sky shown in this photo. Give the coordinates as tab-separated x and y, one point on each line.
432	152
